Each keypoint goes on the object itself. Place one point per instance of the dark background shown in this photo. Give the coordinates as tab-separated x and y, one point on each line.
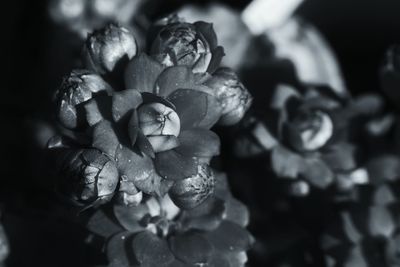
359	32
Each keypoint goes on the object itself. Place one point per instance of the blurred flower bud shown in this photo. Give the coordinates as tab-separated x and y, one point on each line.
4	245
160	124
107	47
79	87
89	176
390	74
310	130
182	44
128	194
191	192
231	93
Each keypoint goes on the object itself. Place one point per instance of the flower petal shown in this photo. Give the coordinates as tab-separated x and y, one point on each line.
174	166
195	108
124	102
207	30
217	55
150	250
105	139
198	143
142	72
191	248
174	78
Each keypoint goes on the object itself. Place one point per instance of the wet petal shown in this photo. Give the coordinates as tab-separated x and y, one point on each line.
117	254
129	217
317	173
102	224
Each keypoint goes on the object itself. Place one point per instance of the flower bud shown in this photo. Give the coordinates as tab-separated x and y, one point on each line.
182	44
4	245
90	176
107	47
310	131
191	192
160	124
79	87
128	194
235	99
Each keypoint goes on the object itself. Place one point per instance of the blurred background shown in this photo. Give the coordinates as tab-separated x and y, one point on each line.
359	32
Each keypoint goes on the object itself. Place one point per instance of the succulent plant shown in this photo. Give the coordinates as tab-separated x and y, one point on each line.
155	133
308	134
158	233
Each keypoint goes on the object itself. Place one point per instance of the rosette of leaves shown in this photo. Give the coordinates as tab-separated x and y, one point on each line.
158	233
177	43
308	134
366	232
154	135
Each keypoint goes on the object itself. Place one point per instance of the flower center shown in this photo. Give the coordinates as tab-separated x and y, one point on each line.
312	130
157	119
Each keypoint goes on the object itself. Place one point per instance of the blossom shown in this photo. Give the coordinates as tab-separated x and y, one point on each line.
186	44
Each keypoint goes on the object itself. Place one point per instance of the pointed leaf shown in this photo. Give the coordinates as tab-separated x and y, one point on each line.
317	173
195	108
191	248
207	30
116	250
237	212
133	127
150	250
217	55
174	78
144	145
285	163
101	224
124	102
142	72
105	139
129	217
230	237
97	109
149	98
341	157
174	166
198	142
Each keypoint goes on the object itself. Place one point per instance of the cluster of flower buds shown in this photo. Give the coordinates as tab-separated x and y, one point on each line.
158	233
153	137
367	232
309	140
4	246
83	16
